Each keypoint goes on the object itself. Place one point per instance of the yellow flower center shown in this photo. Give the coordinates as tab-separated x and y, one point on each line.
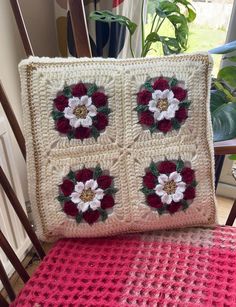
80	112
162	104
170	187
87	195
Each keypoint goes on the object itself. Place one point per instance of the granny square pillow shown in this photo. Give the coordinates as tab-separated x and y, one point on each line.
118	145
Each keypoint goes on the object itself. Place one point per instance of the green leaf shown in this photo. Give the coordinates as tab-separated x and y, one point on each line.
217	99
232	157
103	214
185	104
170	45
97	172
61	198
107	16
93	88
148	86
161	210
230	58
194	184
104	110
70	135
56	114
152	37
110	190
71	175
95	132
153	169
222	87
184	204
173	82
175	123
226	48
168	7
191	11
147	191
224	123
67	92
141	108
179	165
79	217
228	74
153	128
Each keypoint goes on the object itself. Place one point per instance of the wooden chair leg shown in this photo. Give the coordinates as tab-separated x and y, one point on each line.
20	213
3	301
6	283
232	215
6	247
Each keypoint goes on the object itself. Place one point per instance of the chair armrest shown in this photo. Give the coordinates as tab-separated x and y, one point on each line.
225	147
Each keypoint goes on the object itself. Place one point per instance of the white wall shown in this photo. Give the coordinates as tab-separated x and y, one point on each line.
40	22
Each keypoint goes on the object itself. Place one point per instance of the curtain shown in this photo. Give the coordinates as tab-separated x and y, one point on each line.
107	40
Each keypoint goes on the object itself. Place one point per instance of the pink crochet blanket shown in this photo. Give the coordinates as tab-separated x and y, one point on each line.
194	267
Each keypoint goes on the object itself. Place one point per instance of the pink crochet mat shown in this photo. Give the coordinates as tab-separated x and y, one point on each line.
194	267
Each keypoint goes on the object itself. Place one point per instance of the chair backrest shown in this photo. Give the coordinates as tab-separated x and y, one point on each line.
79	27
82	45
14	201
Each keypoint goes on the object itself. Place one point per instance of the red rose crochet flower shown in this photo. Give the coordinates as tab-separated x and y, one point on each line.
99	99
162	105
149	180
61	102
81	111
79	90
144	97
63	125
146	118
169	186
86	195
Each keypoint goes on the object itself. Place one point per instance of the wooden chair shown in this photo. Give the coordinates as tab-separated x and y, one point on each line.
149	269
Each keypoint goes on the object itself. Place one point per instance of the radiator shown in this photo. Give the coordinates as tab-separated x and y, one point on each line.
9	222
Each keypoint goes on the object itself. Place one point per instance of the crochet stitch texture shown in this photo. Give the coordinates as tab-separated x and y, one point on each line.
124	149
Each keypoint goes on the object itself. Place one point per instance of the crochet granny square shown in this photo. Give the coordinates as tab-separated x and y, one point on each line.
118	145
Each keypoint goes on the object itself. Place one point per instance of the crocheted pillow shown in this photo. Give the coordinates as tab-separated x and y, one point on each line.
118	145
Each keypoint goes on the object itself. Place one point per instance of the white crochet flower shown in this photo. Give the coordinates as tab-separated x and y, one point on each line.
170	188
87	195
163	104
80	111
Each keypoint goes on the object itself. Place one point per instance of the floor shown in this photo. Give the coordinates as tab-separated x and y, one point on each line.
223	208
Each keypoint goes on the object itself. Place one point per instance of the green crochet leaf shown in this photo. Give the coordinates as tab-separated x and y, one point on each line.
179	165
70	135
61	198
147	191
148	86
141	108
104	110
79	217
97	172
95	133
110	190
103	214
67	92
185	104
57	114
71	176
173	82
93	88
175	124
153	169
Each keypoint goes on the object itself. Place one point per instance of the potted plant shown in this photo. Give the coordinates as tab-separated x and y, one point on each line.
180	13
